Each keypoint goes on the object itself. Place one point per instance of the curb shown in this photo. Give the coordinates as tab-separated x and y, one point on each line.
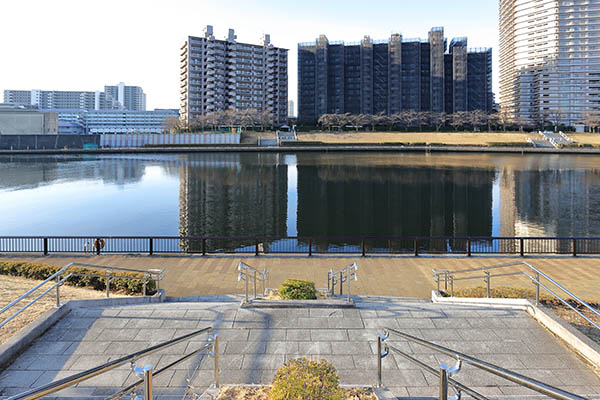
575	340
20	341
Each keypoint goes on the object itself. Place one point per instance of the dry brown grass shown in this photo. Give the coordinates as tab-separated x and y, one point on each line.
586	138
13	287
262	393
451	138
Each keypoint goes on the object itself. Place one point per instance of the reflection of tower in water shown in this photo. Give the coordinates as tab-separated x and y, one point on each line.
342	200
231	195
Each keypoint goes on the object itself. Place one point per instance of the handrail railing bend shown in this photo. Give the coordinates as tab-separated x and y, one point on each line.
449	277
519	379
53	387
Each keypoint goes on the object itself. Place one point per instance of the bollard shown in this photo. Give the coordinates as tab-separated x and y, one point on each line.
108	283
341	283
216	355
379	383
150	246
487	282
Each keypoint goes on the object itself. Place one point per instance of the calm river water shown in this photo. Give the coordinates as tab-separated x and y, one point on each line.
239	194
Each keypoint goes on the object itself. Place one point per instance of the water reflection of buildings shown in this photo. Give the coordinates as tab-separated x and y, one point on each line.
550	203
228	195
394	201
32	172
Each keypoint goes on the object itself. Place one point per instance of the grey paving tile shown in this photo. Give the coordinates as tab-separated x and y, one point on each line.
298	334
155	335
353	348
282	347
88	348
309	323
246	347
265	334
262	361
42	347
311	348
18	378
329	334
369	362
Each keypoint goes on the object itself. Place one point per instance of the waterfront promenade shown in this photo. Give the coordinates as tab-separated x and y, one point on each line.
399	276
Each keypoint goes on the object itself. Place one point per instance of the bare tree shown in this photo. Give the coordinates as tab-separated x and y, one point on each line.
409	118
326	120
592	120
458	119
172	124
554	116
476	118
358	120
439	120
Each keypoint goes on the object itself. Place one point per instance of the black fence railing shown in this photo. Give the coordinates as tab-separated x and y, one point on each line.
367	245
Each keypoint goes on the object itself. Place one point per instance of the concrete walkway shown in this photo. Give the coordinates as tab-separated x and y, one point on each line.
255	342
400	276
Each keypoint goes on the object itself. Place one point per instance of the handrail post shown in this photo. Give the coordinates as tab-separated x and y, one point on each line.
216	353
443	384
255	284
246	273
341	283
148	383
574	247
45	246
150	246
310	247
98	246
256	247
522	247
363	247
203	246
416	247
537	288
57	291
379	362
487	281
469	247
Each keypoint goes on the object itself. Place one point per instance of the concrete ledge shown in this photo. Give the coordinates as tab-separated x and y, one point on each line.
574	339
577	341
333	303
20	341
518	304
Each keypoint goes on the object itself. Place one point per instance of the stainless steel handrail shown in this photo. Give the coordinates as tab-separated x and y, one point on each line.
519	379
449	277
53	387
247	273
51	277
347	274
156	275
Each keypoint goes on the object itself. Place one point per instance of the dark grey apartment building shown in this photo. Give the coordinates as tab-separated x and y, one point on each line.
393	75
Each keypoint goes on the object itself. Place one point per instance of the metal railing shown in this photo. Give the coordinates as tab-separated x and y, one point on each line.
63	274
444	373
248	274
146	372
363	245
535	275
347	274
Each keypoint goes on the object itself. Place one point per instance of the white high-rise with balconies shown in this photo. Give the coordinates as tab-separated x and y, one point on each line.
549	60
220	75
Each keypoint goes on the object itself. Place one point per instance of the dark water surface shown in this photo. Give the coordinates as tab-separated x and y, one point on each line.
308	194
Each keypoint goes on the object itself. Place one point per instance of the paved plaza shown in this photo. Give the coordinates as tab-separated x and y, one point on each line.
400	276
254	342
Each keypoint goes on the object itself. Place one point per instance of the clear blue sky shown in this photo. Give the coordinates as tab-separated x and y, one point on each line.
81	45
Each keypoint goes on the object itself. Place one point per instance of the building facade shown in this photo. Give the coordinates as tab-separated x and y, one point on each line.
112	121
391	76
120	97
17	120
219	75
549	60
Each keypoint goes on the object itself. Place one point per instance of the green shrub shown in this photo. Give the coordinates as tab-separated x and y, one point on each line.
306	380
43	271
297	289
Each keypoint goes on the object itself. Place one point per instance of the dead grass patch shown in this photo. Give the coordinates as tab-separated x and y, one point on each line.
262	393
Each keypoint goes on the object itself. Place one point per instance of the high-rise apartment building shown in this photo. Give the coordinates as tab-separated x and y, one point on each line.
220	75
120	97
393	75
549	60
128	97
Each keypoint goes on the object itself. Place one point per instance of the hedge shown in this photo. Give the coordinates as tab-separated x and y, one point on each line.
43	271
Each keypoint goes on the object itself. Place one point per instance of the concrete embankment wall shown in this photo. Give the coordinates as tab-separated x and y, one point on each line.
61	142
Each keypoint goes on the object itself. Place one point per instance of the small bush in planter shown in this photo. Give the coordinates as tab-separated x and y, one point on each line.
297	289
306	380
